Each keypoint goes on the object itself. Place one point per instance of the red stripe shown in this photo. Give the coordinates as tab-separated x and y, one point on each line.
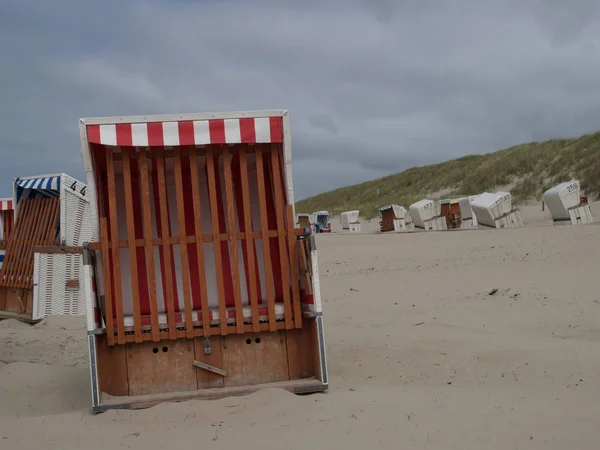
282	174
188	202
102	181
186	133
276	129
10	204
272	221
93	133
124	134
139	234
247	131
155	134
159	234
237	184
225	257
217	131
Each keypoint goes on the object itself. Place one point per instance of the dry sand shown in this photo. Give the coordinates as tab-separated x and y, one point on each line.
421	356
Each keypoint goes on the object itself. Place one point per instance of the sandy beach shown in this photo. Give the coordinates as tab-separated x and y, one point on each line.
441	340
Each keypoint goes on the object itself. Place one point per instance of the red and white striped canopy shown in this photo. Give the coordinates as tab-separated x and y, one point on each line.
248	130
6	204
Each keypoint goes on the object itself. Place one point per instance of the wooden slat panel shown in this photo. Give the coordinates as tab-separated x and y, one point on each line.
50	237
303	259
264	226
135	289
281	239
34	209
193	239
183	249
108	304
37	210
253	294
164	222
233	249
199	245
295	280
6	272
213	331
37	224
147	214
214	214
36	233
11	256
114	233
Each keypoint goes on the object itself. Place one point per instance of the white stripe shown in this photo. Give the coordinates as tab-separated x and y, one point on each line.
262	128
201	132
316	281
139	134
38	183
232	131
47	183
170	133
54	184
4	205
30	183
108	134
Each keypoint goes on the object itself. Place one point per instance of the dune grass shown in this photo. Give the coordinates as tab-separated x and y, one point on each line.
527	170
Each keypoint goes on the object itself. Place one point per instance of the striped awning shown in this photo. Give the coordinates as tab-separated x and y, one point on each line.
181	133
38	187
45	184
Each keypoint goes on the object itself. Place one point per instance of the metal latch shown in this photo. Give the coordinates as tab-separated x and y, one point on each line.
207	346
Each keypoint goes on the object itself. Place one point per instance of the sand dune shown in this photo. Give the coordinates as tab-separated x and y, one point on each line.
420	356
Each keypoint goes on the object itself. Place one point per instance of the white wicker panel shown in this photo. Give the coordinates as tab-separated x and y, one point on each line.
510	220
78	224
581	214
90	296
53	297
316	281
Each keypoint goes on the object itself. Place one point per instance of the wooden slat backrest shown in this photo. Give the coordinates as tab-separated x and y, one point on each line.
264	227
135	289
231	223
37	224
147	215
281	236
231	232
183	248
249	243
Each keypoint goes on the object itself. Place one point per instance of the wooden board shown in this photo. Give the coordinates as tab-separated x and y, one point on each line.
3	298
37	224
19	301
301	347
303	222
111	362
205	378
255	358
159	367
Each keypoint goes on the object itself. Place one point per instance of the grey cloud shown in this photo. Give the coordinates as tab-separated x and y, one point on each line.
373	86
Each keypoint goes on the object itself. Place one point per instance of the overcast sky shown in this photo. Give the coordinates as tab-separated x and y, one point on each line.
373	86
